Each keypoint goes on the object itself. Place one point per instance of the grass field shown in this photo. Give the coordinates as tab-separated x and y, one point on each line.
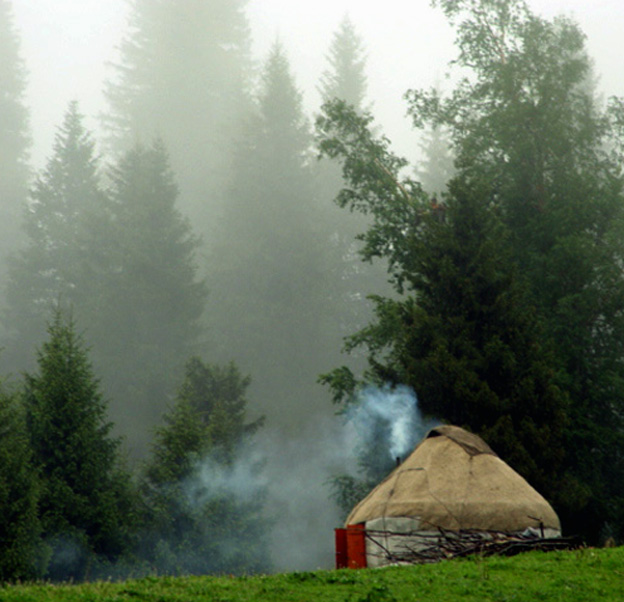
582	576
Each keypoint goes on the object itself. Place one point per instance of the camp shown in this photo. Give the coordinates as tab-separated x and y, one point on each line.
451	491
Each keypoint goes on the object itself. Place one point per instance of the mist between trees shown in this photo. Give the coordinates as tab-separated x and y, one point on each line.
202	244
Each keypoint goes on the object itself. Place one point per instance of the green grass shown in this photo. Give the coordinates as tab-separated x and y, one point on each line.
582	576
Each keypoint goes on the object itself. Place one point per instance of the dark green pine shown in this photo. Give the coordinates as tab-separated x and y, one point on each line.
86	503
196	520
22	551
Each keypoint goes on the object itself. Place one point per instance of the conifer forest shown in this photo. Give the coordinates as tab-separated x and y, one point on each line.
200	285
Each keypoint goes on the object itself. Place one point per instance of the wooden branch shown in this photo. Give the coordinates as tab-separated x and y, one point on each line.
391	176
452	544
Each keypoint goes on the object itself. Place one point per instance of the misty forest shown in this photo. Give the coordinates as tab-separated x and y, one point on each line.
198	298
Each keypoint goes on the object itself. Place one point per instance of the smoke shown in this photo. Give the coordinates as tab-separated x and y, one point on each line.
290	474
389	413
272	507
244	480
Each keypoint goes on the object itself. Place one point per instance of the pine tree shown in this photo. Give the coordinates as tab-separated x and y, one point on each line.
150	300
86	502
436	169
268	277
22	553
14	137
345	78
204	514
58	227
183	76
124	260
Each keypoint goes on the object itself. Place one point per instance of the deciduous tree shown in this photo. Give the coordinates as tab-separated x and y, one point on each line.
525	118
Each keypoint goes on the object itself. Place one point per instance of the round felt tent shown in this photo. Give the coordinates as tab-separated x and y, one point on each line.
451	483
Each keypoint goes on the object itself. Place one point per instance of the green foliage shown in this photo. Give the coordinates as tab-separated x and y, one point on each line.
178	444
203	510
86	499
582	576
56	260
22	552
472	346
510	315
464	338
526	121
373	184
218	394
145	313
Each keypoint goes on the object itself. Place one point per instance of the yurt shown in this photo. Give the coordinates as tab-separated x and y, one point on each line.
452	491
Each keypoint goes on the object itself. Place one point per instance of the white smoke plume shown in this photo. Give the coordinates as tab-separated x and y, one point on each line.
396	409
295	473
244	480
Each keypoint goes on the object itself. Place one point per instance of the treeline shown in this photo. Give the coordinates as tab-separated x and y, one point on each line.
201	224
508	313
72	510
197	223
204	228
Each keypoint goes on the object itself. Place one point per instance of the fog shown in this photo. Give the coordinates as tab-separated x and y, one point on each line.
68	46
281	291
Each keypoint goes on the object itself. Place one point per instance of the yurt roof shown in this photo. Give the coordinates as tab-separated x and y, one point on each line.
454	481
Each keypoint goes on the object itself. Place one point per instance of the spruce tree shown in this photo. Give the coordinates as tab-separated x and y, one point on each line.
268	278
183	75
150	301
470	343
55	262
86	502
436	169
218	393
22	552
204	513
14	137
345	78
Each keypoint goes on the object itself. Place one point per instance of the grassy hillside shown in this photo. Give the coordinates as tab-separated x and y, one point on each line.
581	576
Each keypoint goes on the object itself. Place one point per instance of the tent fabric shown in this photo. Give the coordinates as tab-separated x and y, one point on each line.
454	481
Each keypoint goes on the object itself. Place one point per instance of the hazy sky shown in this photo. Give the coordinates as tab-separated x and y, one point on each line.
67	44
